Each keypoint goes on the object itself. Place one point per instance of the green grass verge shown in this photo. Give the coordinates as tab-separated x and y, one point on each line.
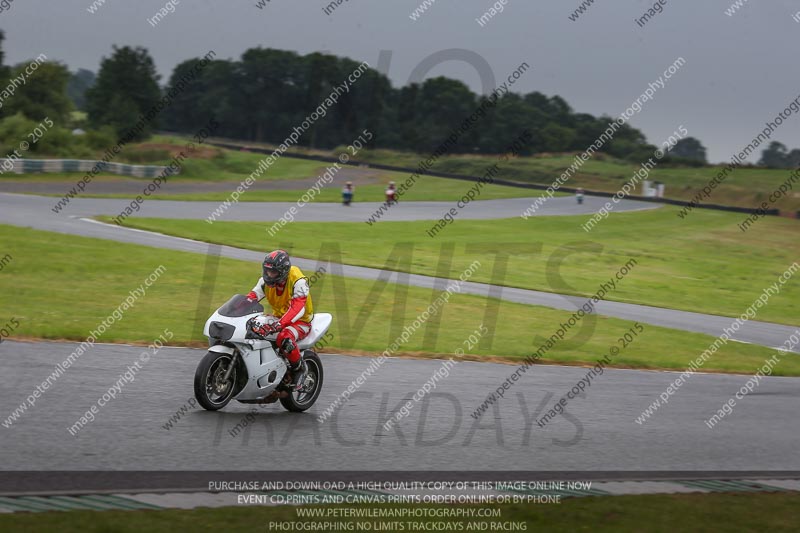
93	277
703	263
214	164
233	167
428	189
734	513
236	166
745	187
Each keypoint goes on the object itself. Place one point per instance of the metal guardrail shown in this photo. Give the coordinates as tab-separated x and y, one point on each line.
464	177
38	166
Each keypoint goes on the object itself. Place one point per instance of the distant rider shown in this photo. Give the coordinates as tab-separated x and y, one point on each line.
391	193
347	193
579	195
288	292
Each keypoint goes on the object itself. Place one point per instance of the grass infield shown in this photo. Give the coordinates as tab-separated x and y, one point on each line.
63	287
723	513
704	264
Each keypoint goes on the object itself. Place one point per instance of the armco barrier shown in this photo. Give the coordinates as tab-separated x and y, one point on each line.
464	177
326	159
38	166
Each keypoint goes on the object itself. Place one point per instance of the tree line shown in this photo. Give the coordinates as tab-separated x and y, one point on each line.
264	94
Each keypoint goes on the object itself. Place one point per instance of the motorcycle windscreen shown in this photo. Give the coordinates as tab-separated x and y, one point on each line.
240	306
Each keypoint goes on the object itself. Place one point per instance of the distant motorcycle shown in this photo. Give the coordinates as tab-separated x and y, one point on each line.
248	369
391	194
347	193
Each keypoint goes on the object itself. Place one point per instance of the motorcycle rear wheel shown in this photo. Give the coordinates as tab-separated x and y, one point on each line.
298	402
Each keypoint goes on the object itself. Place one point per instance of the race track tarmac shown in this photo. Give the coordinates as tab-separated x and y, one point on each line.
597	432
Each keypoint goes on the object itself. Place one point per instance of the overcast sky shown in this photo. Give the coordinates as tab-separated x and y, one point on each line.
740	70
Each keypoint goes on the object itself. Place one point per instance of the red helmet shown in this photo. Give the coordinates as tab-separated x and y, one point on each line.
276	268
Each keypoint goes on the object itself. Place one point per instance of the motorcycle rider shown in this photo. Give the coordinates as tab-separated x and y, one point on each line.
347	193
391	193
288	292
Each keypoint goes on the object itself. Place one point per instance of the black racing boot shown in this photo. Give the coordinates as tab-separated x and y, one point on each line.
299	370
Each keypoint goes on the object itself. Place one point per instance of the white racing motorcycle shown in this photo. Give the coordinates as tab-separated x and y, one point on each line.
241	366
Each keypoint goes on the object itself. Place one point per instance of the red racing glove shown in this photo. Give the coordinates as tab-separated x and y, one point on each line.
253	297
267	329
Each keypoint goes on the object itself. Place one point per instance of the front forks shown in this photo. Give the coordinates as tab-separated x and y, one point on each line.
231	366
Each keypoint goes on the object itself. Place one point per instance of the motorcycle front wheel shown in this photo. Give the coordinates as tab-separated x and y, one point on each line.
210	388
